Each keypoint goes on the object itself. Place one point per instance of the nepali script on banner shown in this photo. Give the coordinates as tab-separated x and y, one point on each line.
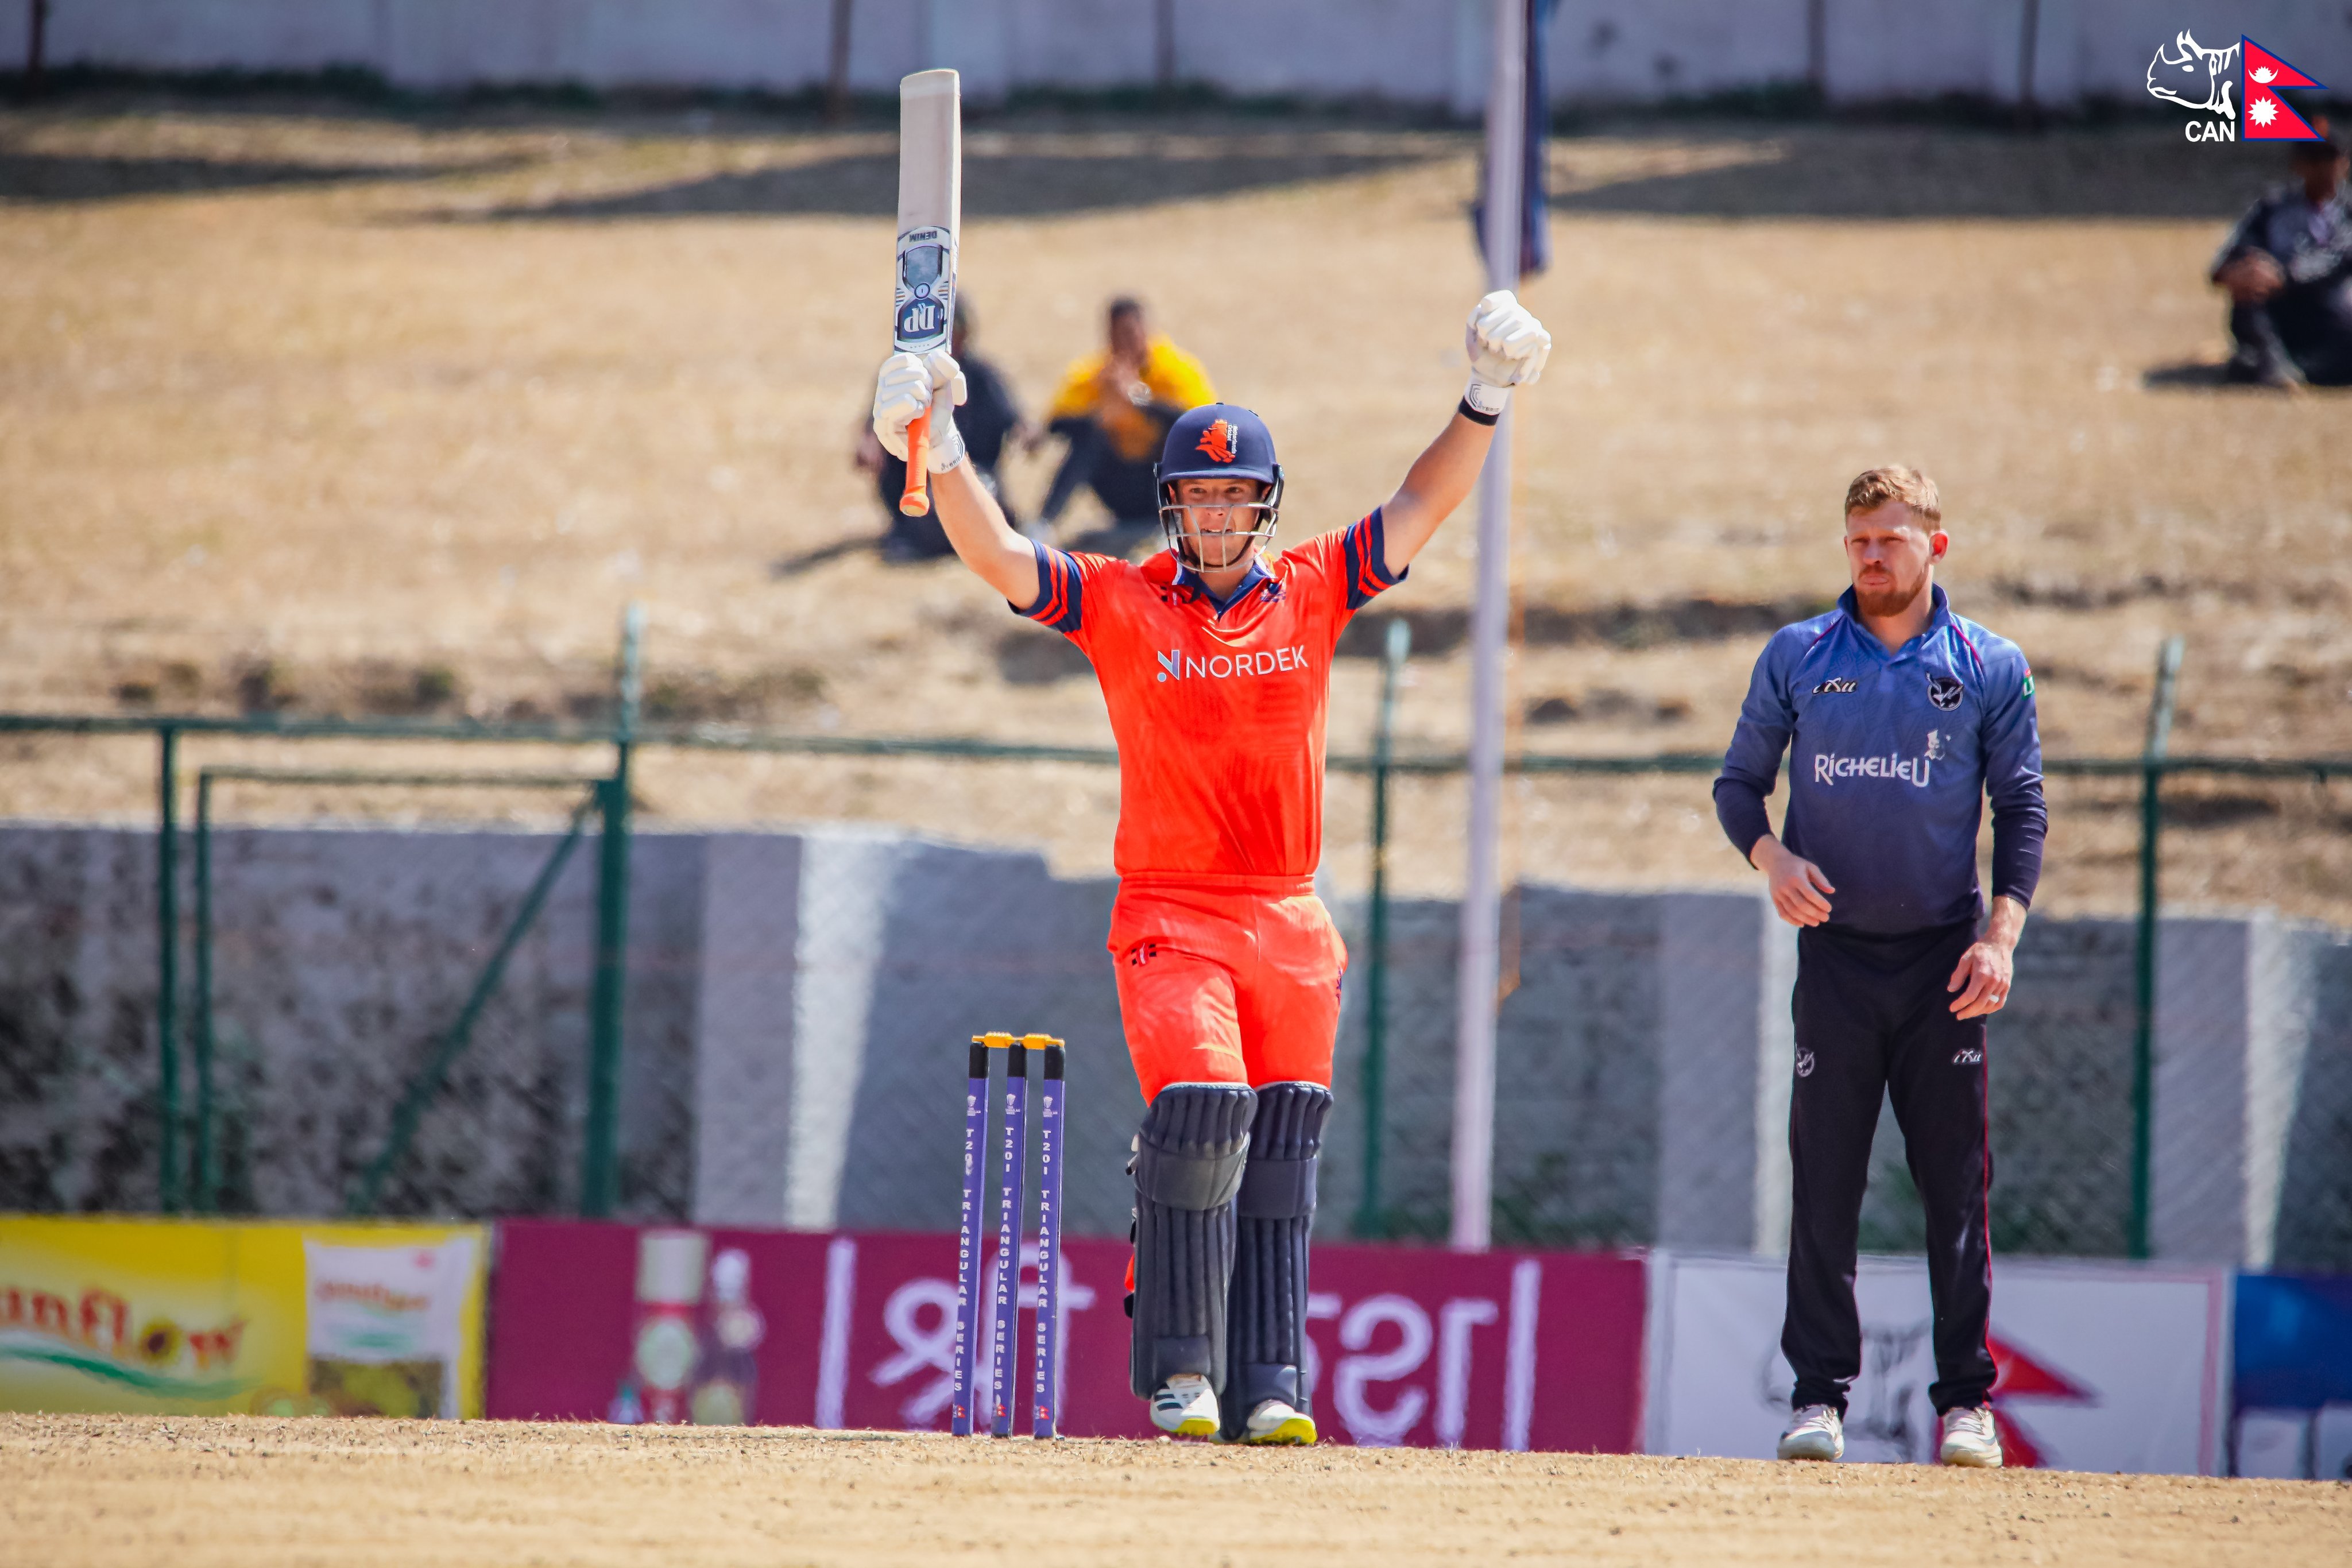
203	1317
2100	1366
1409	1346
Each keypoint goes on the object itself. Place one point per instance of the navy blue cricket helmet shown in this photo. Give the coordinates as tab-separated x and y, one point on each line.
1218	441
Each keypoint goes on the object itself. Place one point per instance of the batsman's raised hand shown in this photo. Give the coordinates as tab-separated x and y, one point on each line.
908	386
1507	348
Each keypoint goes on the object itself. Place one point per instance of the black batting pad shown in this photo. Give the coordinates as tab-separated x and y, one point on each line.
1187	1163
1275	1210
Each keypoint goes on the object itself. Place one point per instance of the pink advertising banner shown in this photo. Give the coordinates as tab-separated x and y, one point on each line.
1413	1346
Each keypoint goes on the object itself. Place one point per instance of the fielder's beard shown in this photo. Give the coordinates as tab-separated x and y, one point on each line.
1894	600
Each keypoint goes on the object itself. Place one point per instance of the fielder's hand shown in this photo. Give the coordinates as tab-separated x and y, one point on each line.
1982	979
1800	891
1507	348
1985	970
909	385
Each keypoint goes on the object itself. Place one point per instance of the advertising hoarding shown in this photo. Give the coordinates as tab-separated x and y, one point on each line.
212	1316
1407	1346
2102	1366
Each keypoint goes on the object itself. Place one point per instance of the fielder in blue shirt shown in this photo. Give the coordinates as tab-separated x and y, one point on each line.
1899	719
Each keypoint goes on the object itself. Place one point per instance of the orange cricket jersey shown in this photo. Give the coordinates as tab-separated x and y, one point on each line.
1218	714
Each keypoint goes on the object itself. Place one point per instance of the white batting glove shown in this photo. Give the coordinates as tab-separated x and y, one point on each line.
907	385
1507	348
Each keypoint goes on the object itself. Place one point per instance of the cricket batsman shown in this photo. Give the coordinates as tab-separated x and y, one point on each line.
1214	658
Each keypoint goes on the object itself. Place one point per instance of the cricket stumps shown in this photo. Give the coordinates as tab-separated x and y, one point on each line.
1045	1366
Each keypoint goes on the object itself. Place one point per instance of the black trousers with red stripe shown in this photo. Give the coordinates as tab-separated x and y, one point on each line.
1873	1019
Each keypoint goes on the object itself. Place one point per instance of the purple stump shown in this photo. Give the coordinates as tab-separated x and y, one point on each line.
1008	1238
1049	1244
969	1241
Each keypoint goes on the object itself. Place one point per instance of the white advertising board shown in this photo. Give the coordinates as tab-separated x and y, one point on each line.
2103	1366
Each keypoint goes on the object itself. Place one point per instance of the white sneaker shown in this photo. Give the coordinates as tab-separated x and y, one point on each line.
1186	1406
1278	1422
1817	1433
1970	1439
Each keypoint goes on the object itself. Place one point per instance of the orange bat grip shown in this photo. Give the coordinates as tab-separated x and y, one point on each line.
917	501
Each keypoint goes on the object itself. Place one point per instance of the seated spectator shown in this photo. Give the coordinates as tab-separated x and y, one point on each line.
2288	269
1115	408
988	418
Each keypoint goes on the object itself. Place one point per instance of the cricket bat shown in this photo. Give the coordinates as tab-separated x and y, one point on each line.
931	208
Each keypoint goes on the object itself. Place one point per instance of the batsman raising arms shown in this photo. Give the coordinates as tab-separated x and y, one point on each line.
1214	658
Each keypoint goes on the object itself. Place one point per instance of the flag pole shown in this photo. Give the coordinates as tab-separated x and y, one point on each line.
1480	978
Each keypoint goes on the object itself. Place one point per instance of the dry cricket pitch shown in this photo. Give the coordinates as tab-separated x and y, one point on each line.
85	1489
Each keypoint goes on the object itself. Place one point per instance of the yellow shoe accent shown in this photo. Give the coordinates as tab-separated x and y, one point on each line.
1186	1406
1297	1430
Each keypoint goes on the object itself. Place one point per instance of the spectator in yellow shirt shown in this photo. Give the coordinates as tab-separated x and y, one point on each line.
1115	408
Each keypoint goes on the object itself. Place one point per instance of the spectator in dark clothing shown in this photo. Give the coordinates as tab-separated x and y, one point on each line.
2288	269
1115	408
988	418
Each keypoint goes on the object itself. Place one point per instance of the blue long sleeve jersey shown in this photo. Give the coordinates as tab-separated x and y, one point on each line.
1891	756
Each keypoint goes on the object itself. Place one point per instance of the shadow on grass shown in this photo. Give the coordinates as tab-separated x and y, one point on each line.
2195	376
1010	180
2191	375
802	562
43	178
1043	156
1924	173
1892	174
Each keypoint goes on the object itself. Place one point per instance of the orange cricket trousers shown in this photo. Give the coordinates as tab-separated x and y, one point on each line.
1226	980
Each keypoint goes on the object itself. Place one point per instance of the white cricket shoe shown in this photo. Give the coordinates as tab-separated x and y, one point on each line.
1278	1422
1970	1439
1185	1406
1817	1433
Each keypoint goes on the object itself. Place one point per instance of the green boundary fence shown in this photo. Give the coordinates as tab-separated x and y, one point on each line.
609	800
421	1090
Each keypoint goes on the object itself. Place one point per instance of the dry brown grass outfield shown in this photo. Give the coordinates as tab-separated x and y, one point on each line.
248	1492
326	411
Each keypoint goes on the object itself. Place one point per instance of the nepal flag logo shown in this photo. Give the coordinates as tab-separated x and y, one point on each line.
2268	118
2186	73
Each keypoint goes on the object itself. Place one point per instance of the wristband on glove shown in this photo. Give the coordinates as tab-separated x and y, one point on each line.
1484	401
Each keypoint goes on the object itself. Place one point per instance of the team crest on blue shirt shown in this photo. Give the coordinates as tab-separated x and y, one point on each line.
1944	691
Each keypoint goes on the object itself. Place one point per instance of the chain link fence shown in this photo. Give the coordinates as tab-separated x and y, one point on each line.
391	1002
478	945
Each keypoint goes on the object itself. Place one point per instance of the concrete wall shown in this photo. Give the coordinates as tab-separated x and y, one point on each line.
2235	1023
847	971
1576	1133
799	1004
1432	52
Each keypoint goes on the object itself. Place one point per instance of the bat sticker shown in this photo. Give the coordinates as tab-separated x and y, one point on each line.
926	289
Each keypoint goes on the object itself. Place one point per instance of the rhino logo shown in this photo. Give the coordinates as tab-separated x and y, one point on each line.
2188	73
